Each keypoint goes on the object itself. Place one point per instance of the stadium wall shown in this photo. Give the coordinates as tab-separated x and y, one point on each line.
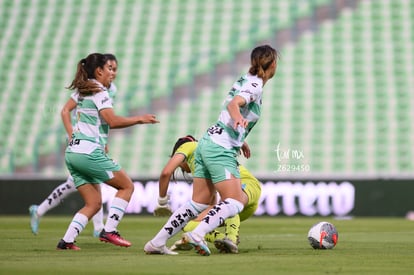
340	198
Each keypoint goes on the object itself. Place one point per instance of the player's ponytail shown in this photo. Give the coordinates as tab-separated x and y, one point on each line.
86	71
261	59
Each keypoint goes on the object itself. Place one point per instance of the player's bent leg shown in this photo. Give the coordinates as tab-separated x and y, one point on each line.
34	219
98	223
232	225
54	199
125	188
191	225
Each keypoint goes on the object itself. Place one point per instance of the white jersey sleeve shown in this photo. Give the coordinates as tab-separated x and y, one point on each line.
102	100
250	91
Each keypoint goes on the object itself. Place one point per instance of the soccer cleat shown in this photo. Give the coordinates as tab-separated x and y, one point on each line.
197	242
114	238
62	245
96	233
180	245
149	248
226	246
34	218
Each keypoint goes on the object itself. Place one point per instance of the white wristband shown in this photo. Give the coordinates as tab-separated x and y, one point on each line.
163	200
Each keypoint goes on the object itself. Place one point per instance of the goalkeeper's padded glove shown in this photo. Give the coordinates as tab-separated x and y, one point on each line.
162	209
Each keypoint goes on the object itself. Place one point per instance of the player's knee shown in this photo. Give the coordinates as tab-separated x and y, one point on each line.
129	187
198	207
234	206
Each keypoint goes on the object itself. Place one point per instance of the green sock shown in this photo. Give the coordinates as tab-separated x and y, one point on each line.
232	228
191	225
214	235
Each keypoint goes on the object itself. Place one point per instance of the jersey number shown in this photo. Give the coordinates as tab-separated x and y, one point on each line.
215	130
74	142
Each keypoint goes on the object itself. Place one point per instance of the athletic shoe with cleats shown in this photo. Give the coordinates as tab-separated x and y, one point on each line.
149	248
226	246
62	245
180	245
197	242
114	238
34	219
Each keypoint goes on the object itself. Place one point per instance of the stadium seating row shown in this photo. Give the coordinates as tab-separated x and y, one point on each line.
340	103
159	44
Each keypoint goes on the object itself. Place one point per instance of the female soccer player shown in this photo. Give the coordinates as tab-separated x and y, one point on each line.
67	188
85	154
216	166
183	156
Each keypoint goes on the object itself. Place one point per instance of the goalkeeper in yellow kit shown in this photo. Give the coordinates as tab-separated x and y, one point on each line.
227	242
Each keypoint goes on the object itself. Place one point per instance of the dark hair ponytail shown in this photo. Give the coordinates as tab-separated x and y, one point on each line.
86	71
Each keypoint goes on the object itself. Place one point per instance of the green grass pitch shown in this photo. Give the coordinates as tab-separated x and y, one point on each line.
269	245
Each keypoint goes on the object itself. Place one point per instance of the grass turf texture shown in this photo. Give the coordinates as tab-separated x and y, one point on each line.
269	245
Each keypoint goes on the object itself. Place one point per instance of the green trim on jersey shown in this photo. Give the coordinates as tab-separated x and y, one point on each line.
90	125
88	119
86	104
233	133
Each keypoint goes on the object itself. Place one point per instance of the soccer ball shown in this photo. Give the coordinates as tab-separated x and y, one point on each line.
323	235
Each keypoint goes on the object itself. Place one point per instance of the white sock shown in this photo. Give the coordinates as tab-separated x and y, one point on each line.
217	215
76	226
56	197
115	214
177	221
97	220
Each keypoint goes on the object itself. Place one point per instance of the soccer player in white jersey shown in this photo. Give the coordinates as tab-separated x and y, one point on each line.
67	188
85	155
183	157
216	166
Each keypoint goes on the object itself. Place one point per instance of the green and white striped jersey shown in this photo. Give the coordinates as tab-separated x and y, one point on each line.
250	87
90	130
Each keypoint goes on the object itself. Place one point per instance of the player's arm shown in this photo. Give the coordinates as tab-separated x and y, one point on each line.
66	116
114	121
245	150
234	110
167	172
163	209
